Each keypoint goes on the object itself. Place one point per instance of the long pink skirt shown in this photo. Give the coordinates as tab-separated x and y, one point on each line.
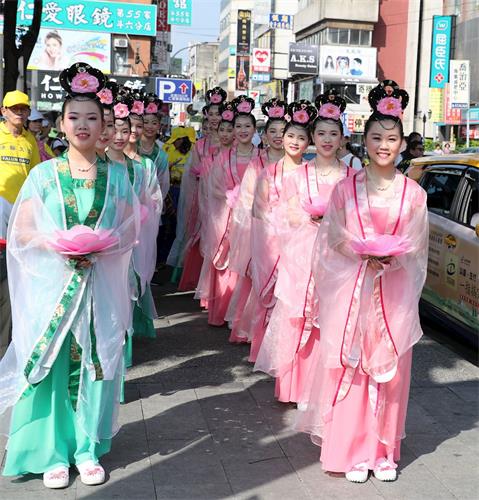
222	286
350	437
258	328
238	314
191	269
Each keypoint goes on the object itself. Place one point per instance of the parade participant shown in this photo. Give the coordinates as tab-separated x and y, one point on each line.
224	180
244	306
34	125
289	345
107	98
204	148
62	371
370	265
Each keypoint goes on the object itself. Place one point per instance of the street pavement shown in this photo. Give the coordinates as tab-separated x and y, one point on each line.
199	424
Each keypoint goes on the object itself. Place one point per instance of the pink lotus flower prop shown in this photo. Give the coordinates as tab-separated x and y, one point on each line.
232	196
276	112
83	240
138	108
381	245
121	110
390	106
151	109
316	208
301	116
216	99
244	107
105	96
329	111
83	83
228	115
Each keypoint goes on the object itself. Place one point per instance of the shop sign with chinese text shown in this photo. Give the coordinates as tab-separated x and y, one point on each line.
441	48
179	12
459	84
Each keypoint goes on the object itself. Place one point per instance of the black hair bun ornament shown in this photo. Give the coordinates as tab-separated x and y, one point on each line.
204	111
388	99
275	109
243	105
108	93
152	103
138	97
216	96
330	105
122	106
302	112
227	111
82	79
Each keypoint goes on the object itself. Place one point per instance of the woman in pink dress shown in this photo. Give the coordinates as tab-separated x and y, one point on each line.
224	180
370	264
203	149
244	306
289	346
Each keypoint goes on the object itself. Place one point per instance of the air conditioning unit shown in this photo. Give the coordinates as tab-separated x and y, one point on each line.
120	43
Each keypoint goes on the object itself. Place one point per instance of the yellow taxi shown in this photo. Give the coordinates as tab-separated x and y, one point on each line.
451	292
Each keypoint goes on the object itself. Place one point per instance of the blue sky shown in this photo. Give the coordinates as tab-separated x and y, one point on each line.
204	27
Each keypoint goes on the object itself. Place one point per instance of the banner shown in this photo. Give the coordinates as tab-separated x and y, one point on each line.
452	116
162	16
459	84
242	72
440	53
345	63
436	104
261	60
179	12
303	59
58	49
280	22
91	15
243	41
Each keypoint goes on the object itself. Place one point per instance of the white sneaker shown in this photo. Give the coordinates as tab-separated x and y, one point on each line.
384	471
57	478
358	474
91	473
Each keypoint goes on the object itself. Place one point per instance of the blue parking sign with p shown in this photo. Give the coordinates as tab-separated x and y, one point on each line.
171	90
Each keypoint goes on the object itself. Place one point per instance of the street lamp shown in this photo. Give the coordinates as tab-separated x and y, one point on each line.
181	50
425	117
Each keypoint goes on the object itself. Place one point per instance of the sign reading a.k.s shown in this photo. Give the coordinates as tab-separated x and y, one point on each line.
171	90
441	50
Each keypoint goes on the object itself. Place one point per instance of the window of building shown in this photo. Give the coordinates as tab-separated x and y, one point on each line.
343	36
365	38
354	37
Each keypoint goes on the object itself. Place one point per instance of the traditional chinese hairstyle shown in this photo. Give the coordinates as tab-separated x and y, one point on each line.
301	114
330	106
108	93
227	112
152	104
243	106
388	102
138	98
274	109
216	96
122	106
82	82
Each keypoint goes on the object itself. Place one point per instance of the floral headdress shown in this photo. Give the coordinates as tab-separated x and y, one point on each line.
275	109
138	97
108	93
216	96
152	104
301	113
330	106
81	79
388	99
243	105
122	106
227	112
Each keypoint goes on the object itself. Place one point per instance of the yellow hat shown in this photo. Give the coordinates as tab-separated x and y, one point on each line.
179	132
14	98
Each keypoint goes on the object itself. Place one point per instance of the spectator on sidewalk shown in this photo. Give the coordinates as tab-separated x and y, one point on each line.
34	125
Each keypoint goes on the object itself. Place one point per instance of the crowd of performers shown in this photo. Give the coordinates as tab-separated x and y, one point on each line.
316	265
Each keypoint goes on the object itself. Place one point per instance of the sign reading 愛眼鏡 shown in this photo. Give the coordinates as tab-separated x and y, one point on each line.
281	22
243	40
91	15
179	12
441	49
303	59
459	83
261	60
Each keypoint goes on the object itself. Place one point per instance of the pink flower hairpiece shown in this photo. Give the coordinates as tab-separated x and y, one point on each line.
105	96
216	99
276	112
152	108
390	106
84	83
120	110
329	110
244	107
228	115
301	116
138	108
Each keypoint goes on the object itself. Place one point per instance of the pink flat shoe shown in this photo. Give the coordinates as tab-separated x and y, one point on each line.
91	473
384	471
358	474
57	478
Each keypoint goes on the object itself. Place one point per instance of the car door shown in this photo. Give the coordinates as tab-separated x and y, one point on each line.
451	283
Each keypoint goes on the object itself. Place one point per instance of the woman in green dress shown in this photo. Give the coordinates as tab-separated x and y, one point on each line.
61	376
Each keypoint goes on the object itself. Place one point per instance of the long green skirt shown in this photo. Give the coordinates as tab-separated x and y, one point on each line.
44	431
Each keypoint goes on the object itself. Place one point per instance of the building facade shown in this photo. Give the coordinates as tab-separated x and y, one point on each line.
203	66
